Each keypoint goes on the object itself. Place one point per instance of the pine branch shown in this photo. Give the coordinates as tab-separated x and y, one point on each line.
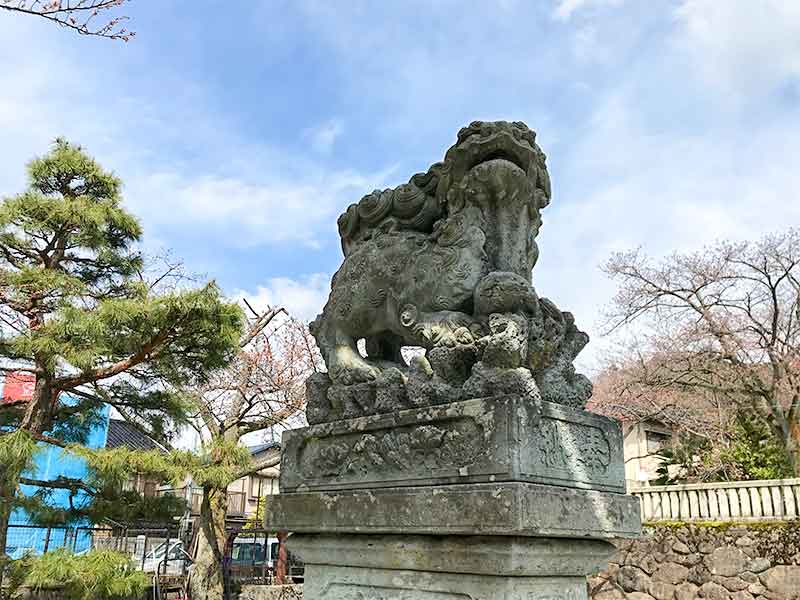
257	466
61	483
148	351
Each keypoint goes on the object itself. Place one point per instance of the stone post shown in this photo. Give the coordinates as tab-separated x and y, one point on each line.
472	473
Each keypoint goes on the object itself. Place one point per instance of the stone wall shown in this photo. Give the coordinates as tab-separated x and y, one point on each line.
718	561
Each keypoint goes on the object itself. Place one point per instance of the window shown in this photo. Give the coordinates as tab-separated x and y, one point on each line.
261	486
257	486
656	441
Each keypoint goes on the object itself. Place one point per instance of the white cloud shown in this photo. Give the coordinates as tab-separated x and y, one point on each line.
744	48
244	213
565	9
323	137
302	298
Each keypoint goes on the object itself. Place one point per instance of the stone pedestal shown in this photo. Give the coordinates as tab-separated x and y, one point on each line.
358	567
484	499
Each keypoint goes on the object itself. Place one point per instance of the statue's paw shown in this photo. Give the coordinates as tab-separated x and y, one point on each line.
460	336
355	373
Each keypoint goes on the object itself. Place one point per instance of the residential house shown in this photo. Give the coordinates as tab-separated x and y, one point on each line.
244	493
642	438
122	434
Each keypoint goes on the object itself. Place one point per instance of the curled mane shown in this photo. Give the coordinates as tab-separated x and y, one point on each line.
411	206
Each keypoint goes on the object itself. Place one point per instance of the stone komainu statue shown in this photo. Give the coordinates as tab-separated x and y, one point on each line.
444	262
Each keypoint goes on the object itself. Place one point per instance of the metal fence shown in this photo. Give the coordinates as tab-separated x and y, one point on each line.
159	551
251	557
724	501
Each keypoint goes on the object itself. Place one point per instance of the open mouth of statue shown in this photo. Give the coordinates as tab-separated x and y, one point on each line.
502	151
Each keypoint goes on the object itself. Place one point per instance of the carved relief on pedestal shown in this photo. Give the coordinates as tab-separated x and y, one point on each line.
449	444
572	446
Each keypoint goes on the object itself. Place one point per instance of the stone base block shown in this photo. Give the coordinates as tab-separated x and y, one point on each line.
348	583
507	438
502	509
353	567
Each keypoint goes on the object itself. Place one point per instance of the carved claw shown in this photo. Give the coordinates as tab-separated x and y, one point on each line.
349	367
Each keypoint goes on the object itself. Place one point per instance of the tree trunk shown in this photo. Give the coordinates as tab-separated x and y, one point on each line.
206	581
283	559
39	411
793	447
7	488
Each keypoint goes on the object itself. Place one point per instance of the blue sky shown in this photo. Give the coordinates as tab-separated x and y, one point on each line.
242	129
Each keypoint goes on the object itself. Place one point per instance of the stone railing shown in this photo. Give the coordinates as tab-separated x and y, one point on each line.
728	501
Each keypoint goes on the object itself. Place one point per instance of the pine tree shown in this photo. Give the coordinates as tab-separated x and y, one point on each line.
78	311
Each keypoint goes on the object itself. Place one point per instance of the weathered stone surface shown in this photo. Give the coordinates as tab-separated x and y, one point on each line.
325	582
445	260
759	564
698	575
609	594
732	584
713	591
681	548
507	508
670	572
478	555
783	580
748	576
727	561
662	591
500	439
466	474
756	589
632	579
686	591
768	544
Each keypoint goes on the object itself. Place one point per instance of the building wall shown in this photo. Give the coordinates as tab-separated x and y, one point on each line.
640	442
50	462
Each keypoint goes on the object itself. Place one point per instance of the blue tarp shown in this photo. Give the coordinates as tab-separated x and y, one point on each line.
52	462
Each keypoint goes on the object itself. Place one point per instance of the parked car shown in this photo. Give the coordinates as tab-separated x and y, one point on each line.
252	556
173	561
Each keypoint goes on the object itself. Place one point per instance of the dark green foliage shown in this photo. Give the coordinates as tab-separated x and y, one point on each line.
130	507
756	451
750	451
79	310
685	460
17	450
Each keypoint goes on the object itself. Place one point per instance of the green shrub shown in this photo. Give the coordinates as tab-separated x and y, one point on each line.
95	575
